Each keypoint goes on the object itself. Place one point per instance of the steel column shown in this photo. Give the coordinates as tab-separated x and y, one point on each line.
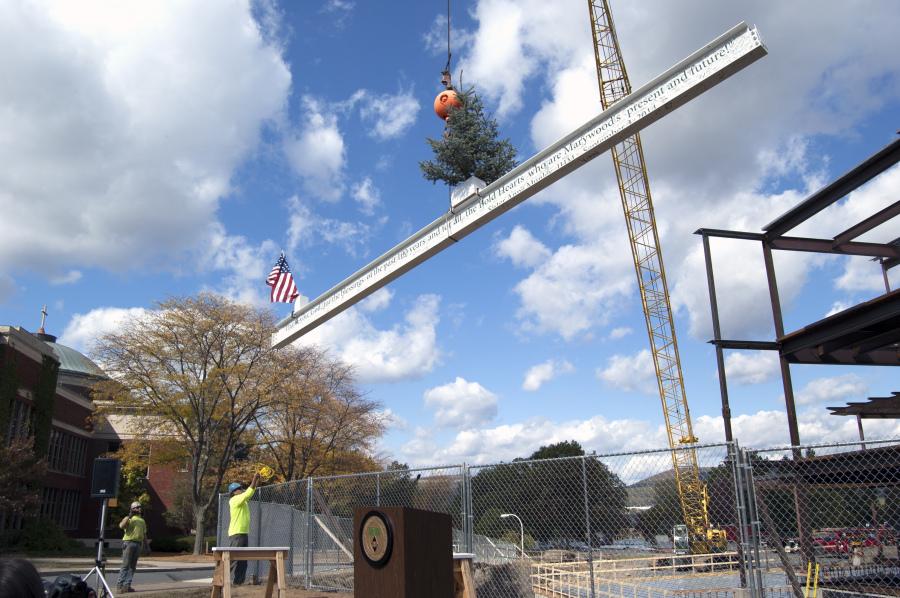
785	366
717	335
862	436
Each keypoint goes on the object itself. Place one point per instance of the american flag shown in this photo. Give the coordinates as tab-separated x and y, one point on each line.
282	282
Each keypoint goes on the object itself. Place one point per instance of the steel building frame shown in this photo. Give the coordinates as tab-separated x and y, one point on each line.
865	334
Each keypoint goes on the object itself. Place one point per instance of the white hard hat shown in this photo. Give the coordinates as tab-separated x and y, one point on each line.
135	505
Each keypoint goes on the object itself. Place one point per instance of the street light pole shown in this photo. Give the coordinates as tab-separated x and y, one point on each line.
521	532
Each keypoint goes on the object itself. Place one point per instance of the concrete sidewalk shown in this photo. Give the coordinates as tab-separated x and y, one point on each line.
59	565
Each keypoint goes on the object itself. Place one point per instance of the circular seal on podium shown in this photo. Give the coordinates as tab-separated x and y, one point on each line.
376	538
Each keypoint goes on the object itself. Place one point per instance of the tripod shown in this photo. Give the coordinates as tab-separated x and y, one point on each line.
100	561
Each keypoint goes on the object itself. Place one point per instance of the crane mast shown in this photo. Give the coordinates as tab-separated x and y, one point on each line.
634	191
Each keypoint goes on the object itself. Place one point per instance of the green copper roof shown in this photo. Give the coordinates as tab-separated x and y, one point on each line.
73	362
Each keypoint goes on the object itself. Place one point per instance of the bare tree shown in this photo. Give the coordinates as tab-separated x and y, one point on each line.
317	422
198	369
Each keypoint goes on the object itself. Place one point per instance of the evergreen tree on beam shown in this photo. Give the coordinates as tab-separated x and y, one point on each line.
469	147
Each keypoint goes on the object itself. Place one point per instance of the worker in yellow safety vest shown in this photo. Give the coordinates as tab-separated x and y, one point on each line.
132	541
239	524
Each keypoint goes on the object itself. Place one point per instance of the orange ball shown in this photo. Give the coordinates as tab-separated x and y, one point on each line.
444	101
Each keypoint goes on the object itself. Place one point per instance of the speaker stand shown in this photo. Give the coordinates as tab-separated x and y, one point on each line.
100	561
101	581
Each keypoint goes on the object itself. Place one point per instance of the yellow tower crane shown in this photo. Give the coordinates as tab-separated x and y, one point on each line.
634	190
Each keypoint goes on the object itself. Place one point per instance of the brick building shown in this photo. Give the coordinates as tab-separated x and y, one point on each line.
48	387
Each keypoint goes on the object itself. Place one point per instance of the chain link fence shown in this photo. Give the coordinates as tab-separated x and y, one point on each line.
829	516
782	522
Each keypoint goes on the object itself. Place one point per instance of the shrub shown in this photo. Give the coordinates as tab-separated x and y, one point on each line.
178	543
44	535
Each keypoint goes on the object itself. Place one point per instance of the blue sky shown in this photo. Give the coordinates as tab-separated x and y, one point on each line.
159	149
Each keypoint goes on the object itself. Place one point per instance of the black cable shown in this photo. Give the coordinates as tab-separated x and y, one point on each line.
449	55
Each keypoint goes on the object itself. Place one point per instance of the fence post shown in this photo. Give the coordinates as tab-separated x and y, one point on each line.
258	531
293	551
378	489
468	523
220	536
755	525
740	506
587	522
309	539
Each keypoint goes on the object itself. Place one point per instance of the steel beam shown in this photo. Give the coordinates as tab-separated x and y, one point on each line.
868	224
828	246
702	70
745	345
883	250
729	234
818	201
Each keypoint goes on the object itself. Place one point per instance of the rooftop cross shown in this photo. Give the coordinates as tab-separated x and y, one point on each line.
43	319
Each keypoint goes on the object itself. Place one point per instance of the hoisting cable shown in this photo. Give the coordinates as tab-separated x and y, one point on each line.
445	74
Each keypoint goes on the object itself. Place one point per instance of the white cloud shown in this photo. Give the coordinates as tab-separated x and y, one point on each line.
388	115
367	196
306	228
70	277
630	372
834	391
142	143
341	10
765	429
538	375
522	248
514	38
751	368
402	352
338	5
436	37
620	332
762	429
836	307
83	330
245	266
571	292
461	404
509	441
860	274
316	150
392	421
377	301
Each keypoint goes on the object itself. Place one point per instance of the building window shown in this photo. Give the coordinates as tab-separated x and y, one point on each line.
10	521
66	452
62	506
19	421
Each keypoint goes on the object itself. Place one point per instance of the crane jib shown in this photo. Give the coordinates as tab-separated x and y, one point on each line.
702	70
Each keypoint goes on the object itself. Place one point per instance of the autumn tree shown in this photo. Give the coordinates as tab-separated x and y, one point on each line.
21	474
471	146
317	421
198	369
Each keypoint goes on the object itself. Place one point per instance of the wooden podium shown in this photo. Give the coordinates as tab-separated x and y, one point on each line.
402	553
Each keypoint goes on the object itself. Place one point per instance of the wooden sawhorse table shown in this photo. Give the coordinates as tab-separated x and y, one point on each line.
225	555
463	580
